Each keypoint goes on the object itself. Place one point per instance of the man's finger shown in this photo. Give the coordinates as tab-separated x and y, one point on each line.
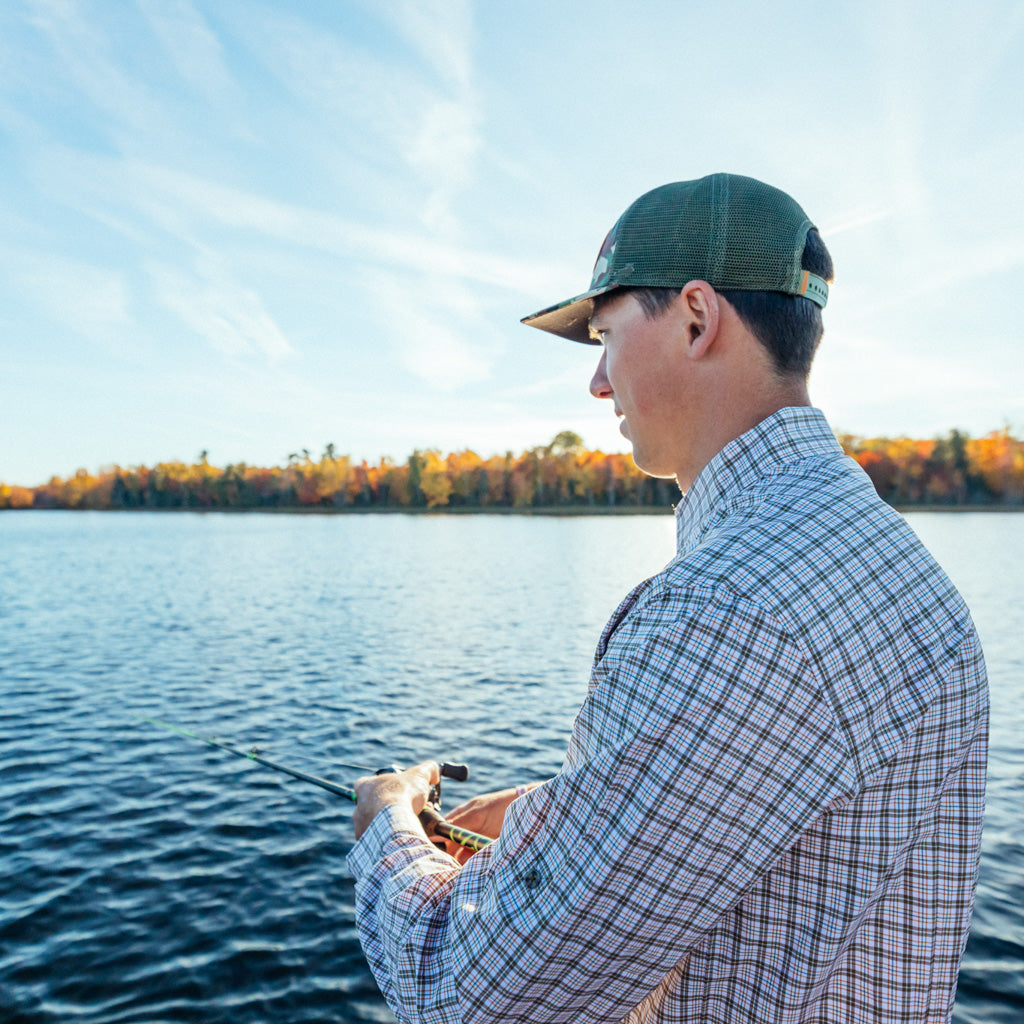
430	771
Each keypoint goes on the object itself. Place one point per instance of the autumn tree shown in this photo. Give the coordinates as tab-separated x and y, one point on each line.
435	484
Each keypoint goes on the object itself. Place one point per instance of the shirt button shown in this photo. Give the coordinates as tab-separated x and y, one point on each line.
531	879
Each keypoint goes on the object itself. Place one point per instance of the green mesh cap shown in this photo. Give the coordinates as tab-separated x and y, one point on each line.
730	231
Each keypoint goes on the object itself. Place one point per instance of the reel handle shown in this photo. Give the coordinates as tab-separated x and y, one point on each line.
458	772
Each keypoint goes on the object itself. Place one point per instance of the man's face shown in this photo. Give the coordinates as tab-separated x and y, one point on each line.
643	370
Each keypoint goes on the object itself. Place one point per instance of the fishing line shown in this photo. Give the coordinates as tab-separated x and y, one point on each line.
327	763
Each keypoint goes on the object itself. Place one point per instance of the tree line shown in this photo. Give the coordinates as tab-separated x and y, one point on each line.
956	470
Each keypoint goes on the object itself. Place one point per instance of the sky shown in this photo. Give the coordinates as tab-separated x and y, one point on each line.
250	227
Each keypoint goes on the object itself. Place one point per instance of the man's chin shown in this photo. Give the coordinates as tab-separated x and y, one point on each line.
651	468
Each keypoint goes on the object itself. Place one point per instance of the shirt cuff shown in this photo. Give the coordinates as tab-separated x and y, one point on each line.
391	820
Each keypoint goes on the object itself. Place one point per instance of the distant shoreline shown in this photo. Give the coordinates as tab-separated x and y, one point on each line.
388	510
556	511
955	473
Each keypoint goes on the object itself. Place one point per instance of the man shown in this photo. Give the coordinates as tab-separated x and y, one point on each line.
786	727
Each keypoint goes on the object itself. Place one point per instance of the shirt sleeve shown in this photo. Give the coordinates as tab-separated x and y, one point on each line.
703	750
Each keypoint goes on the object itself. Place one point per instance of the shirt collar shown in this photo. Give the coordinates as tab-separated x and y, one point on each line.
788	434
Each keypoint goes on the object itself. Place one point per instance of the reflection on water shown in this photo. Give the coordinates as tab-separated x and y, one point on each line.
144	877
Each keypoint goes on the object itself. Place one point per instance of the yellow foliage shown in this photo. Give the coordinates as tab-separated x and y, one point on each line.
435	483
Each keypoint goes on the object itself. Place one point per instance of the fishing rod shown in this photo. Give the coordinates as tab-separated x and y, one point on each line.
431	818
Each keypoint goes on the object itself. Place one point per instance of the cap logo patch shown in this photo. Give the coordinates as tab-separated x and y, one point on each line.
602	271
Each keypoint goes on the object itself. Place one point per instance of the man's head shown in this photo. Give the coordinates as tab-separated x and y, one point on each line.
707	297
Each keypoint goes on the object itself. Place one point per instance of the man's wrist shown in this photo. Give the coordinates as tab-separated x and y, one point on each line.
374	793
381	792
392	820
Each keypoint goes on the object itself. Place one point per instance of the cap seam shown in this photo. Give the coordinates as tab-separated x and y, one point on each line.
716	251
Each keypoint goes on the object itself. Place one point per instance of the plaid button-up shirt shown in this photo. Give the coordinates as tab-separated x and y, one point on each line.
770	809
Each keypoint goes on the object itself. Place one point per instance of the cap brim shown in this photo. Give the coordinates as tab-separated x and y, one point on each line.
569	319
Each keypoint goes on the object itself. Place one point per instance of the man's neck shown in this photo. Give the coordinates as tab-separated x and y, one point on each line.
730	420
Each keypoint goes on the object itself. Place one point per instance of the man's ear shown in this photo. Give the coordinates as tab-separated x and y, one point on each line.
701	317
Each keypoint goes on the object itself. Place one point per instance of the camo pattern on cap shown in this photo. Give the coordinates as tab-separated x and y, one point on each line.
605	260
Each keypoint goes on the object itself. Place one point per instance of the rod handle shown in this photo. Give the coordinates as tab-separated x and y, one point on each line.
435	825
429	817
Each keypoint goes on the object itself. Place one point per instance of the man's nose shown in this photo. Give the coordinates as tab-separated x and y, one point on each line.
599	386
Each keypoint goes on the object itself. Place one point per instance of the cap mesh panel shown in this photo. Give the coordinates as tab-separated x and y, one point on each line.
732	232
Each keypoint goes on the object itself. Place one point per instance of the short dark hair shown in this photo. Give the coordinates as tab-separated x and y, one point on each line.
789	326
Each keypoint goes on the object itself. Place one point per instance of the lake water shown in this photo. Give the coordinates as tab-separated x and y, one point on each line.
145	877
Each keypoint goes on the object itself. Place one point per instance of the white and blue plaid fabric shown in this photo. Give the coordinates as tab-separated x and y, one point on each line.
770	809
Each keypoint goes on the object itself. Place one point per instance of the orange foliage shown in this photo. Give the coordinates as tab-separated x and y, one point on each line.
16	497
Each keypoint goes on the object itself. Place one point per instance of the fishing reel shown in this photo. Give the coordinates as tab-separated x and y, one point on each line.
458	772
431	813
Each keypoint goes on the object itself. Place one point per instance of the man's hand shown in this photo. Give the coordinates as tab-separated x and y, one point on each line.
375	792
484	814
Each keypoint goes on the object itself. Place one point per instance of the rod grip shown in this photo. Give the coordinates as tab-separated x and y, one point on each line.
435	826
429	818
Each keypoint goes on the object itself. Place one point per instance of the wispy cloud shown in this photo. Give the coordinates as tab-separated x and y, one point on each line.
94	302
191	44
436	327
439	30
369	104
425	117
852	220
443	152
188	207
444	147
231	317
84	54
